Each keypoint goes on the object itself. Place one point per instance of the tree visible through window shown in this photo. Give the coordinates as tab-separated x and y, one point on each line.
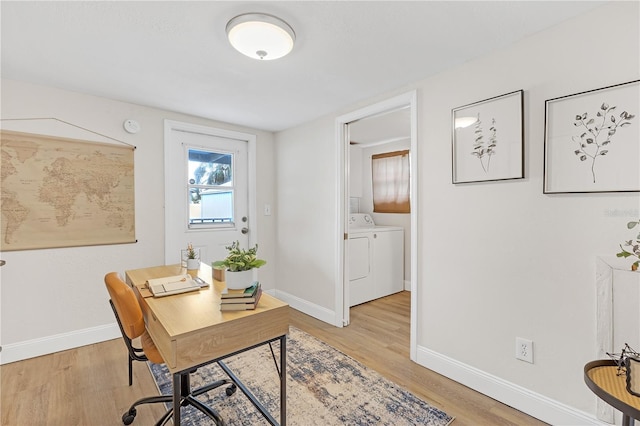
390	173
211	188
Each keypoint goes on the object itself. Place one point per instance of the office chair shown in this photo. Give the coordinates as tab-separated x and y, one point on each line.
128	313
133	353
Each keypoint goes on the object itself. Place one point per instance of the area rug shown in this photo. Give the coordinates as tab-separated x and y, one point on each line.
324	387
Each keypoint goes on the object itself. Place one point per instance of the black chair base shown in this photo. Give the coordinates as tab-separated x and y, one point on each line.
187	397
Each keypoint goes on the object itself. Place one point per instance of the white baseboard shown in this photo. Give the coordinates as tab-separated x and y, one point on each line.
13	352
323	314
19	351
518	397
532	403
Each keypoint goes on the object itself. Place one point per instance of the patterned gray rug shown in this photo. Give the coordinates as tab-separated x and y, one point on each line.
324	387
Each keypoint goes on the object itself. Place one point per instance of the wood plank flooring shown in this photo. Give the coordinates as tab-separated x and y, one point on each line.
88	385
378	336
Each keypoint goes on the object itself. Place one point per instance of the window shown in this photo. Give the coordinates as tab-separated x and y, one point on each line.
390	176
210	189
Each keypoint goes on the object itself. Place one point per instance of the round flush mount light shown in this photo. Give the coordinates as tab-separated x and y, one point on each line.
260	36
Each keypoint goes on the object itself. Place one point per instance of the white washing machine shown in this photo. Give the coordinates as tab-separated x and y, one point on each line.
376	259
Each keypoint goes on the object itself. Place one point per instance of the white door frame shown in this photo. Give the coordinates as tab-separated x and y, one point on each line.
170	125
342	275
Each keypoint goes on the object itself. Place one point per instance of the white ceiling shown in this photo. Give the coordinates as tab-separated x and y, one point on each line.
175	56
389	127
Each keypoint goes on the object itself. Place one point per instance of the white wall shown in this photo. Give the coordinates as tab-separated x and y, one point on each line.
510	261
55	299
497	260
306	179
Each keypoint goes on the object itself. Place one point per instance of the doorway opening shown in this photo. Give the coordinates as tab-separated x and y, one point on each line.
361	127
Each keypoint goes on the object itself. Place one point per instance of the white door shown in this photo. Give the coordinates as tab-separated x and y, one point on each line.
206	190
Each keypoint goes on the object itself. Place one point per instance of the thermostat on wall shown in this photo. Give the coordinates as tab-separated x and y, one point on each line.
131	126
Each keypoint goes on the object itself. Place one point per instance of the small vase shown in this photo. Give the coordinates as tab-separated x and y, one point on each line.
238	280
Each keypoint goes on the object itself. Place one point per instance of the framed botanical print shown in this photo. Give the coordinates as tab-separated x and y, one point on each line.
592	141
488	139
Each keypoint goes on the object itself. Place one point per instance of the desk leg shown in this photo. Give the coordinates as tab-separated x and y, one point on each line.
177	387
627	420
283	380
283	386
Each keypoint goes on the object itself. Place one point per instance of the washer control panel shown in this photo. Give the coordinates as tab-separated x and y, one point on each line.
361	220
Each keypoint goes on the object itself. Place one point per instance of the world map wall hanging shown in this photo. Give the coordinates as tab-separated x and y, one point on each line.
59	192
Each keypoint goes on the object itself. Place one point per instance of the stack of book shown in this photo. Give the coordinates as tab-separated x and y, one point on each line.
241	300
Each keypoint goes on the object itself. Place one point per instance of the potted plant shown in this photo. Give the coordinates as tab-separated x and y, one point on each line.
193	257
633	247
238	265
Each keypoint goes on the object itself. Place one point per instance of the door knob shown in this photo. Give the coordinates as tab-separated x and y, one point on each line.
2	262
244	230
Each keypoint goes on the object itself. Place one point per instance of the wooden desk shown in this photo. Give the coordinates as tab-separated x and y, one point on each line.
190	331
602	378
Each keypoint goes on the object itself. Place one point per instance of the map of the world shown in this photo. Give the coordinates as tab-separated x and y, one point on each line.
58	192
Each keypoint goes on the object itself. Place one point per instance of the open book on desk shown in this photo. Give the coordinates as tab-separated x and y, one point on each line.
176	284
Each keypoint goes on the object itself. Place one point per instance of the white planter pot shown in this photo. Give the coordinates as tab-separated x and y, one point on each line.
193	264
238	280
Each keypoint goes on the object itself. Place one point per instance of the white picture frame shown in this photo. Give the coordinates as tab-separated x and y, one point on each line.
488	139
592	141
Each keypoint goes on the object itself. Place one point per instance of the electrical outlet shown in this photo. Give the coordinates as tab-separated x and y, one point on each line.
524	349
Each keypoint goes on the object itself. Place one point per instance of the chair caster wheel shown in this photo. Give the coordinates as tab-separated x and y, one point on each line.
231	390
129	416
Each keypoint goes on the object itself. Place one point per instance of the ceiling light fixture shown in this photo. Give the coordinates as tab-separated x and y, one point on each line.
260	36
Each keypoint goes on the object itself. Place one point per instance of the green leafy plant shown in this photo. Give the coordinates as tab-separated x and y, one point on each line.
633	247
239	259
191	252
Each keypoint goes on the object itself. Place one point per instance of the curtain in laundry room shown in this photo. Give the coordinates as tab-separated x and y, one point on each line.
390	176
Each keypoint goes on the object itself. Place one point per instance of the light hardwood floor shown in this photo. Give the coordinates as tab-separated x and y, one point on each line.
378	336
88	385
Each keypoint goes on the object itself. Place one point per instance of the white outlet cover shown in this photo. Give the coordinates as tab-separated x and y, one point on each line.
524	349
